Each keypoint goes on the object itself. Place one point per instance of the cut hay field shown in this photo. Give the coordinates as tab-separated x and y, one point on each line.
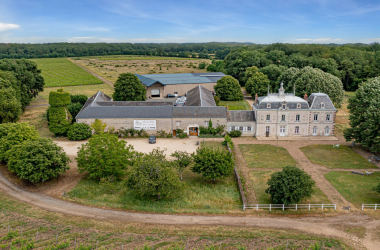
110	67
62	72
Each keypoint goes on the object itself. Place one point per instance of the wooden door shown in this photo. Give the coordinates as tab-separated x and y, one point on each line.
193	131
174	132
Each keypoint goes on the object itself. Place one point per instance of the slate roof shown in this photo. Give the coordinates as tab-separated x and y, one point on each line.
137	103
240	116
185	78
199	112
200	96
316	99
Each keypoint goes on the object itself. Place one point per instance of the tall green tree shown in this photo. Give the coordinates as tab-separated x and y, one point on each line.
105	155
365	115
182	160
227	88
290	186
212	163
257	82
10	106
129	88
273	72
152	175
37	160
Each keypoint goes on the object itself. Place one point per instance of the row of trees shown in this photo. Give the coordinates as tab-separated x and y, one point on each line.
20	81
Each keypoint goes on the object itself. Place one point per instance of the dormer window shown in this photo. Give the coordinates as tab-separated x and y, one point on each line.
268	106
298	105
322	105
284	106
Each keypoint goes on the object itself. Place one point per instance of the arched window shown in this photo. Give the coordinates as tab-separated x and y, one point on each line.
327	131
315	130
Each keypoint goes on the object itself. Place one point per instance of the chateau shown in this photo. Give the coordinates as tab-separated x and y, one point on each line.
275	115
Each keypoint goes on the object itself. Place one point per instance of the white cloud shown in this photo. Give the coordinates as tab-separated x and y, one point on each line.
101	29
8	26
318	40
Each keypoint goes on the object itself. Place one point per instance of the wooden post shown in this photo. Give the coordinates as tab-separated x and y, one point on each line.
296	207
283	207
37	236
362	206
56	238
309	206
270	207
253	245
375	206
322	206
243	207
335	206
257	207
75	243
121	246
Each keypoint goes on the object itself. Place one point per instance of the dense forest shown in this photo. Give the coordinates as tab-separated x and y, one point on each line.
352	63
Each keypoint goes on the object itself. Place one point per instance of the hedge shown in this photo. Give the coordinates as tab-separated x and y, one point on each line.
59	99
58	122
82	99
79	131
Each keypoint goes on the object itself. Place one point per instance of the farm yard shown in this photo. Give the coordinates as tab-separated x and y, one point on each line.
59	72
110	67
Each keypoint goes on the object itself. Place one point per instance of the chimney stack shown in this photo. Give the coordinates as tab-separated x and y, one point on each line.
305	97
256	99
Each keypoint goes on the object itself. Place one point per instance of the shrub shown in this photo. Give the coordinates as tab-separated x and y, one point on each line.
59	98
202	65
98	126
228	141
235	133
290	186
82	99
79	131
217	100
13	134
152	175
74	109
59	120
37	160
212	163
182	161
104	155
182	135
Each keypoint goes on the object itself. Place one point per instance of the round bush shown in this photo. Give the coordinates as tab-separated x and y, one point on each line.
79	131
235	133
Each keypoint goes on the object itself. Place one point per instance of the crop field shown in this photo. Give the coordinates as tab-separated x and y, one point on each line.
110	67
62	72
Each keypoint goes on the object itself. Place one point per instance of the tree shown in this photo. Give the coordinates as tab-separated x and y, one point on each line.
37	160
290	186
182	161
74	109
277	57
10	106
202	65
82	99
257	82
152	175
129	88
227	88
273	72
104	155
98	126
364	115
14	134
59	116
309	80
212	163
79	131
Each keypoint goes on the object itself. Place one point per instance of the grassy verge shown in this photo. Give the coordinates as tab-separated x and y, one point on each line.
259	181
342	157
238	105
110	234
266	156
200	196
62	72
357	189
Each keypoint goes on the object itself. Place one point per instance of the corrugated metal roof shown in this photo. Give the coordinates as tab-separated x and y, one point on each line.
185	78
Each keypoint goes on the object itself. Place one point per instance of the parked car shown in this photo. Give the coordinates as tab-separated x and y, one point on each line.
171	96
152	139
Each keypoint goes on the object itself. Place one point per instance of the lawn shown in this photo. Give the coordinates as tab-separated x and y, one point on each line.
259	181
238	105
266	156
214	144
342	157
357	189
88	90
200	196
110	67
62	72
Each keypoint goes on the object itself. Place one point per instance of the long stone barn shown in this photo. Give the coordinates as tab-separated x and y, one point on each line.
153	116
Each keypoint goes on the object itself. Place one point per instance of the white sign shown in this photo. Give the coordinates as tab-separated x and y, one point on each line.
145	124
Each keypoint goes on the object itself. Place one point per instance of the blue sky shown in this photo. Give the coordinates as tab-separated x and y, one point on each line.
293	21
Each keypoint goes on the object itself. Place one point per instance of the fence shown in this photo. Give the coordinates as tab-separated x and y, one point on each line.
375	206
290	206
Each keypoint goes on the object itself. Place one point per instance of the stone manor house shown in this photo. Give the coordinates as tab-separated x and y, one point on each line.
275	115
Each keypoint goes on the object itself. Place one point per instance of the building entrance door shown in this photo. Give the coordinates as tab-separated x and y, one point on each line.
267	131
282	131
193	131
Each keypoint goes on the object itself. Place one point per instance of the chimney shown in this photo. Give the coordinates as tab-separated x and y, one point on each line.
256	99
305	97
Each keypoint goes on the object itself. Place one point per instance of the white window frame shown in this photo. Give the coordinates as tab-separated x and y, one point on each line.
267	129
298	105
297	130
233	128
328	117
241	128
178	123
268	105
299	118
283	118
283	106
322	105
249	128
328	130
316	130
315	116
206	123
268	120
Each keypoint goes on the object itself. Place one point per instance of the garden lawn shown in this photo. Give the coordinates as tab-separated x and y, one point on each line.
342	157
238	105
259	181
62	72
357	189
200	196
214	144
266	156
88	90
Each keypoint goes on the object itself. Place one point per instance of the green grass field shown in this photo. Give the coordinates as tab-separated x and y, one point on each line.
61	72
342	157
200	196
214	144
357	189
88	90
259	181
266	156
238	105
